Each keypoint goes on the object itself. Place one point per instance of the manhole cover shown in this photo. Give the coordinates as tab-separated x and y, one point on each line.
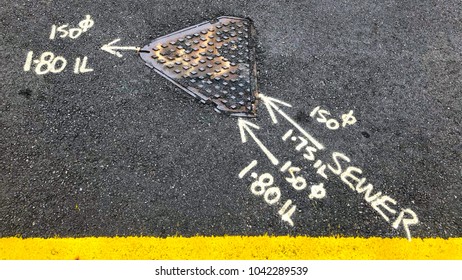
212	61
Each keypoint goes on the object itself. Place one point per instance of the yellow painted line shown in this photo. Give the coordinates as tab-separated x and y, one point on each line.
230	248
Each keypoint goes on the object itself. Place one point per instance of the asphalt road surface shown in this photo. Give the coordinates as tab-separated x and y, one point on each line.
122	151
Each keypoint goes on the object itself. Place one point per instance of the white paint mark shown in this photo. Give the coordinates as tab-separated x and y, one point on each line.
245	126
317	191
63	31
349	175
323	116
317	164
80	66
382	201
77	65
322	171
272	195
288	134
259	187
113	49
286	215
303	143
368	191
286	166
247	169
53	32
315	110
270	104
298	182
254	175
28	63
332	124
348	119
382	204
310	153
338	169
406	222
87	23
48	62
72	33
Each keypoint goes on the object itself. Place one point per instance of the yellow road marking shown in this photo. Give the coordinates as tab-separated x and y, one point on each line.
230	248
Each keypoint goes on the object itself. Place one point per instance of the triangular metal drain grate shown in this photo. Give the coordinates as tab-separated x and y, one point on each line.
212	61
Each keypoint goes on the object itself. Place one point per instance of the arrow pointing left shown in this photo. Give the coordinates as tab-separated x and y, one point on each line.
245	126
114	49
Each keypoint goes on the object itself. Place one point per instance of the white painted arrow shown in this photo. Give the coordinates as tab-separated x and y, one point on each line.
246	126
113	49
271	105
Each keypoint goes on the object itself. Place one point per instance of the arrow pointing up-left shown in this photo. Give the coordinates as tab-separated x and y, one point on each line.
271	104
245	126
113	49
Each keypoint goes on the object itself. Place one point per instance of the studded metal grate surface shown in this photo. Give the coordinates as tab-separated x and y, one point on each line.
212	61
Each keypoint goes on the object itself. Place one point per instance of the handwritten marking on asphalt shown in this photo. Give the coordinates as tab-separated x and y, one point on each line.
245	126
383	204
271	103
48	62
110	48
72	33
321	116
